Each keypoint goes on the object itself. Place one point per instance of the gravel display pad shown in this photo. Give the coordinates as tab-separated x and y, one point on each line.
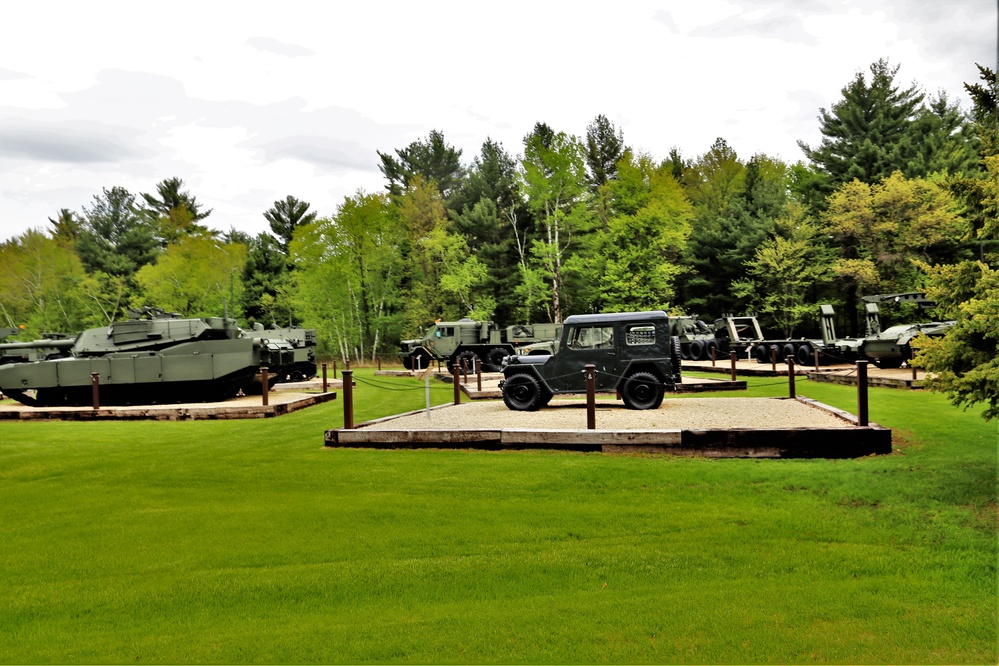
686	414
709	427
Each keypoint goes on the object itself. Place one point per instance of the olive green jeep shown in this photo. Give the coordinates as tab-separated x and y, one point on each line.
633	354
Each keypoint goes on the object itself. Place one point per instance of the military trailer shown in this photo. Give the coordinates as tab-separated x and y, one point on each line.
473	343
893	346
634	354
152	357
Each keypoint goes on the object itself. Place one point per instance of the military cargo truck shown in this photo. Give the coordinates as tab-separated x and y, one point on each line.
473	343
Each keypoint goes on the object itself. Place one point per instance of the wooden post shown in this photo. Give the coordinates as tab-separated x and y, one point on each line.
733	355
334	368
815	352
379	362
713	350
456	380
348	399
478	377
590	371
862	393
773	357
913	371
263	385
790	376
95	384
325	383
464	371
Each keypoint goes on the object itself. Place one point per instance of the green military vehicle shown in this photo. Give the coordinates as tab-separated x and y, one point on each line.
152	357
471	343
303	343
634	353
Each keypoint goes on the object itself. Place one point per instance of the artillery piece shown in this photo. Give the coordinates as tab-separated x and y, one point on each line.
151	357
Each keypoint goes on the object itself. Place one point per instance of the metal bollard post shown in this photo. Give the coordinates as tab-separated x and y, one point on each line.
590	372
733	355
348	399
790	377
456	380
325	383
95	383
263	384
862	393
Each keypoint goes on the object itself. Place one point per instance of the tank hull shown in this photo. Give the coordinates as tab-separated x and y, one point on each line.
201	371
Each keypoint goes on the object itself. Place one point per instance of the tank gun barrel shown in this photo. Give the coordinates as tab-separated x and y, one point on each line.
35	344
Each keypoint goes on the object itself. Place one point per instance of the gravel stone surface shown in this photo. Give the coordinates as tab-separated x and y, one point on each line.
570	414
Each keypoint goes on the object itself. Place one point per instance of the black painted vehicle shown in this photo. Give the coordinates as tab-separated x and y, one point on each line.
633	353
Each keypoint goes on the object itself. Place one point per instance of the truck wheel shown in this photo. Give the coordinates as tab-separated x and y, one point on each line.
522	393
420	360
407	362
495	356
803	355
709	347
788	350
468	359
642	390
761	353
697	350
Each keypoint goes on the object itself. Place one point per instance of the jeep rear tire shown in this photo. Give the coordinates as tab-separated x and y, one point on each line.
642	390
523	393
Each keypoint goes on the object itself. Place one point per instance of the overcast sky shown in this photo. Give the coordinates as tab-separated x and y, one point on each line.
249	102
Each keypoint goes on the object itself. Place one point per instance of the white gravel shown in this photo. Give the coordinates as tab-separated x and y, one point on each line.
685	414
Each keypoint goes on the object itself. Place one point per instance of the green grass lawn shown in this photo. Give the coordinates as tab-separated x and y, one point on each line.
248	541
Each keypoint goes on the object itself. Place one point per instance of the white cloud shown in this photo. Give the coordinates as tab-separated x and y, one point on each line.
248	102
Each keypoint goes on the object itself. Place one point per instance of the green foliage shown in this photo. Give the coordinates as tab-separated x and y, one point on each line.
174	214
287	215
643	243
115	237
264	273
882	228
554	180
965	362
488	201
866	135
604	148
347	274
431	160
40	286
195	276
786	267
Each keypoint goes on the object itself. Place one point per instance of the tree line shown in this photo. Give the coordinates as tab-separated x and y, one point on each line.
899	195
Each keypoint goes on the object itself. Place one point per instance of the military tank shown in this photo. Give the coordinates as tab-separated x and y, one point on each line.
152	357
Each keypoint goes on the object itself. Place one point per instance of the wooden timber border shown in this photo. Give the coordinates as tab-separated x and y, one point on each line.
851	442
236	409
